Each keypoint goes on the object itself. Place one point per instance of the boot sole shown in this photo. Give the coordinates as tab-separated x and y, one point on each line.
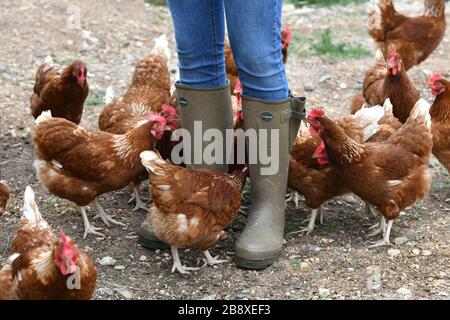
255	264
152	244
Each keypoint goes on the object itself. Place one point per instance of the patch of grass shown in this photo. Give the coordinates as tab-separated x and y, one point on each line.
295	263
157	2
94	101
440	184
52	202
325	47
322	3
329	226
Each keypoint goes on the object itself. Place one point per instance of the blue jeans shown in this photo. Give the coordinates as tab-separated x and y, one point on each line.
254	28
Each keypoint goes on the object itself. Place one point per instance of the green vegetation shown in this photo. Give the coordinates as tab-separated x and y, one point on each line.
94	101
322	3
157	2
334	51
323	45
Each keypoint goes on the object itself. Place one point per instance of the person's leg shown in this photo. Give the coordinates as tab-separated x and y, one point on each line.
254	29
200	34
203	91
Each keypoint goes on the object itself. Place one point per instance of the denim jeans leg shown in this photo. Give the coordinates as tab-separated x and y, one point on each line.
254	28
200	36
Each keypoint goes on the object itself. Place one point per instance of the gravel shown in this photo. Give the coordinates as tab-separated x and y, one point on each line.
334	258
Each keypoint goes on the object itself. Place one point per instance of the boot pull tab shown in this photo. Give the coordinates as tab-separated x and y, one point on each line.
182	101
297	110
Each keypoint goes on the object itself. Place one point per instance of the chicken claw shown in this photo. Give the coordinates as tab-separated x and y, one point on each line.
105	217
177	266
136	197
88	228
212	260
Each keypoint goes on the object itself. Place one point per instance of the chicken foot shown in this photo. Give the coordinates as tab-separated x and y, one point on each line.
379	227
386	235
212	260
88	228
311	222
105	217
136	197
177	266
370	210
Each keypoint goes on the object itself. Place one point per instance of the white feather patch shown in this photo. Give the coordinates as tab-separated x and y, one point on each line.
43	116
393	183
182	223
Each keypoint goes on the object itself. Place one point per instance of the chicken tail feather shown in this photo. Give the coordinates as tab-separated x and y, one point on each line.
388	108
152	161
109	95
43	116
421	113
30	208
161	47
368	118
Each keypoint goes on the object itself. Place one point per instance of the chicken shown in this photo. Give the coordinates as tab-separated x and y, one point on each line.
149	91
230	63
310	174
44	266
4	196
440	119
60	90
390	80
150	85
415	38
80	165
357	103
191	207
390	175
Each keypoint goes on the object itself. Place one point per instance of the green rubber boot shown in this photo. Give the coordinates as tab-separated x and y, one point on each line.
213	108
260	243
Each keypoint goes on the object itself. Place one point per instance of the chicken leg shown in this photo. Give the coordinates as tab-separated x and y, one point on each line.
105	217
386	235
136	197
177	266
379	227
212	260
88	228
311	223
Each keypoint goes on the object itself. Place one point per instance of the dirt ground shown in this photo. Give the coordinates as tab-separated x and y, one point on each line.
332	263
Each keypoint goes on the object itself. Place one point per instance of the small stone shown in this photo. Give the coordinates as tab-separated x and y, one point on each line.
142	258
324	292
70	42
2	67
211	297
406	293
157	251
119	267
324	78
416	251
304	265
107	261
342	86
426	253
125	293
308	87
400	240
441	275
393	253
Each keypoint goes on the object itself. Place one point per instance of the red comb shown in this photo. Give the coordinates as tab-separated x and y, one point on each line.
316	112
238	86
435	77
64	237
393	54
153	117
168	109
